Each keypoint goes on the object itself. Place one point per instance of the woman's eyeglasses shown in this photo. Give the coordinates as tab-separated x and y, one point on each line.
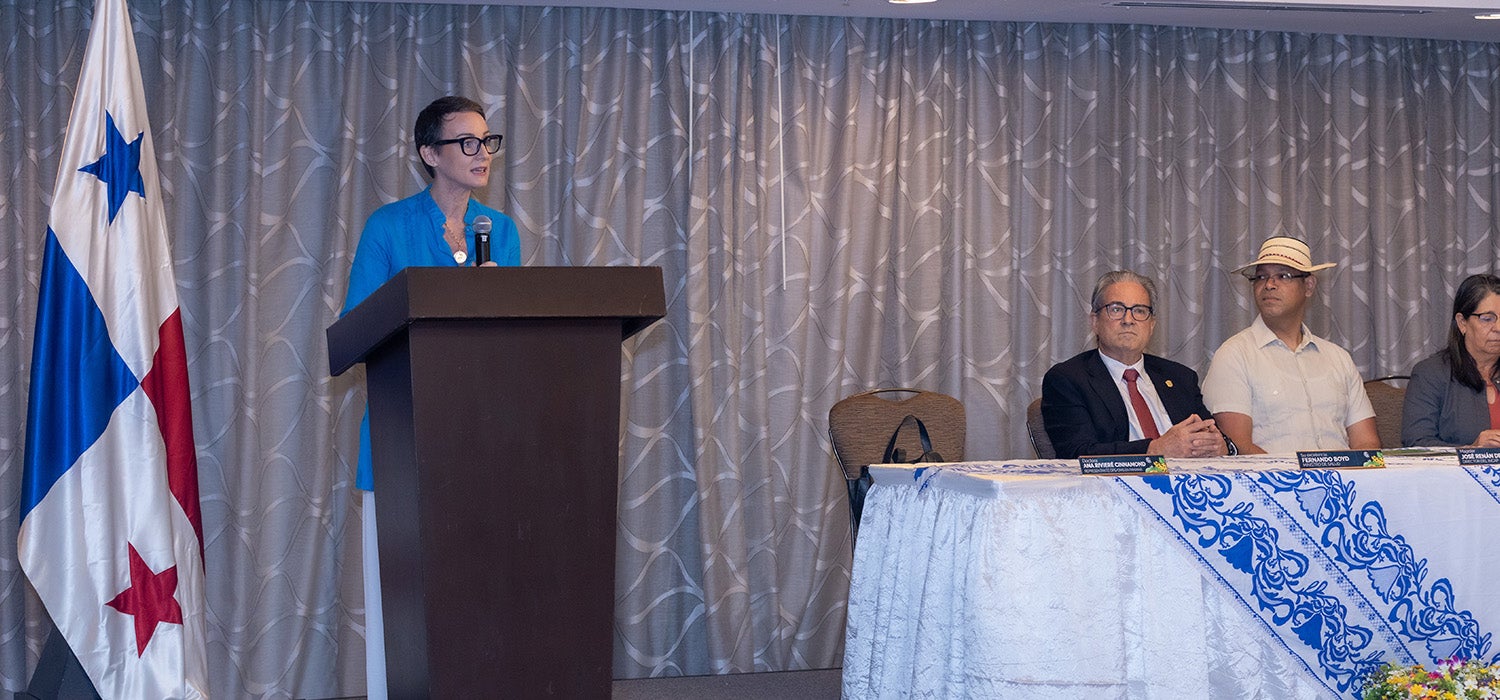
1487	318
470	144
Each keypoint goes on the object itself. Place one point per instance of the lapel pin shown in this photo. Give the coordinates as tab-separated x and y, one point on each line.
1169	384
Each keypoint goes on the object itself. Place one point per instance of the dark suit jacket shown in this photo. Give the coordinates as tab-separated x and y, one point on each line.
1440	411
1085	415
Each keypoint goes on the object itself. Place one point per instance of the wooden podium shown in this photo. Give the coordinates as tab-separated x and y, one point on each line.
494	423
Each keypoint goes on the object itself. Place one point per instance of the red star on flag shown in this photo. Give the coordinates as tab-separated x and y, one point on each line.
150	599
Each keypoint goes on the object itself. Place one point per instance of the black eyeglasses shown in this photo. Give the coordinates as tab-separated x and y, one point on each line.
1279	277
1487	318
1116	311
470	144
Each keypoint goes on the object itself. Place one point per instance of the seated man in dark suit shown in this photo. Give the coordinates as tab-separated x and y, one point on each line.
1119	400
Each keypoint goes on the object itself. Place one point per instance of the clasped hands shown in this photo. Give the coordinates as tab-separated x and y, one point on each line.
1193	437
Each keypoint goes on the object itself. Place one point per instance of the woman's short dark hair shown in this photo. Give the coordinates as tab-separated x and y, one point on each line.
1472	291
429	128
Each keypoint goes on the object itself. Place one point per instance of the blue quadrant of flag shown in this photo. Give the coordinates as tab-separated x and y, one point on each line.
77	376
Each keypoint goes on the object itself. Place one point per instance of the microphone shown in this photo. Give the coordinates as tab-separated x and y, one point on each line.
482	228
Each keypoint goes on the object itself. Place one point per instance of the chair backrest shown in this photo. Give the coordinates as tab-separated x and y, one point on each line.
1386	399
1041	443
860	426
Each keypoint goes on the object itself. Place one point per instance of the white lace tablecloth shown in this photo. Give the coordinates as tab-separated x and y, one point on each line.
1237	578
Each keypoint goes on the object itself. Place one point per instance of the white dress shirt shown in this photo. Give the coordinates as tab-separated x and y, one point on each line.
1148	391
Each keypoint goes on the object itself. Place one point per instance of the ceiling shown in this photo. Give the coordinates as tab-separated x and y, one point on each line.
1433	19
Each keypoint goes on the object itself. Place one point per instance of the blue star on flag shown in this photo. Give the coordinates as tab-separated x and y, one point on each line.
119	167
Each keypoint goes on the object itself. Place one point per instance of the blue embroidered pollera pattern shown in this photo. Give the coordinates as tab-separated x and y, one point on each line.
1297	539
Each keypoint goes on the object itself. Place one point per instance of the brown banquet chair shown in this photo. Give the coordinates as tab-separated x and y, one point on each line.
861	426
1387	399
1041	442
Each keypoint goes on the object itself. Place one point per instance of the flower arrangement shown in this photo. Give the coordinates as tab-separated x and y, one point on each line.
1453	679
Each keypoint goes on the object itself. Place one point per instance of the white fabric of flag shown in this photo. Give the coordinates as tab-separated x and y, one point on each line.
111	530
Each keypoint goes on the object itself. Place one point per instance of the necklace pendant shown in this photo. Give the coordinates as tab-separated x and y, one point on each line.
460	256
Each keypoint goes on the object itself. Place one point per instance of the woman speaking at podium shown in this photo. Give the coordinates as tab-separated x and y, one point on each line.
442	225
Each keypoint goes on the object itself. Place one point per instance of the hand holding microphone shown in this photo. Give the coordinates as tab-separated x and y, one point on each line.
482	227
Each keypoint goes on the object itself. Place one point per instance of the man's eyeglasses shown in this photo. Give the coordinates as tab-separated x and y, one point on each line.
470	144
1116	311
1487	318
1279	277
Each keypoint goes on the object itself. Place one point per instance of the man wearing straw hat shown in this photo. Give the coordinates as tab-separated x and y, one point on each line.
1276	387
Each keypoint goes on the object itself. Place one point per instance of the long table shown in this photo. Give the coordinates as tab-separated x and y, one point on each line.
1231	578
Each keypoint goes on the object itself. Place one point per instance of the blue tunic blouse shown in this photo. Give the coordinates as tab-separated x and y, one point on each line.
409	233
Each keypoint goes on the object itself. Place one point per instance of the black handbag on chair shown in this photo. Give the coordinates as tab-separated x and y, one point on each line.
897	455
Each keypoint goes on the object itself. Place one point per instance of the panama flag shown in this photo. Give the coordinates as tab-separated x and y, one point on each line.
111	532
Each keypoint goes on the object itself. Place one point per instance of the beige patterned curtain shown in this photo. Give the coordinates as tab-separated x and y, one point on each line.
837	204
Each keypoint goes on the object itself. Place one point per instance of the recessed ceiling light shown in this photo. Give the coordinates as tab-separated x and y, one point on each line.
1492	15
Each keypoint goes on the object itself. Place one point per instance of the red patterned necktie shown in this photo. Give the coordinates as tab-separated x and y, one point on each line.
1138	404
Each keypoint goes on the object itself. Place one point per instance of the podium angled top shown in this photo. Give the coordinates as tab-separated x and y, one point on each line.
634	295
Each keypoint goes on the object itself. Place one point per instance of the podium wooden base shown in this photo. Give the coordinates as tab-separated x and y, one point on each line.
494	421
